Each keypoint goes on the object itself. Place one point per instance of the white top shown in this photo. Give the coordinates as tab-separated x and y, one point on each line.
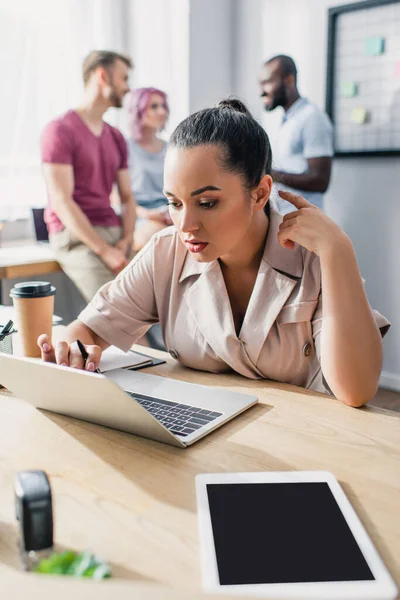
306	132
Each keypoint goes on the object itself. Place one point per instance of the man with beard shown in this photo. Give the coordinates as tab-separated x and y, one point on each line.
302	158
83	156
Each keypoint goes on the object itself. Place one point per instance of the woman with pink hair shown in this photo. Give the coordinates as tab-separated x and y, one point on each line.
148	112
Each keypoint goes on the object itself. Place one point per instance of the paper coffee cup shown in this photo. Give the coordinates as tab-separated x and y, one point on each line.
34	307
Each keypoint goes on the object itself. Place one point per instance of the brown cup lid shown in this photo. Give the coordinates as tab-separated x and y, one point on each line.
32	289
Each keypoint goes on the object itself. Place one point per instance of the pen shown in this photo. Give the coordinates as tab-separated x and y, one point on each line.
85	355
6	330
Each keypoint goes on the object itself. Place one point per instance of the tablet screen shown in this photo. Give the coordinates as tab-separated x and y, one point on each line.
282	533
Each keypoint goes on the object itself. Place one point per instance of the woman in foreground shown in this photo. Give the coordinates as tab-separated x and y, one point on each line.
234	284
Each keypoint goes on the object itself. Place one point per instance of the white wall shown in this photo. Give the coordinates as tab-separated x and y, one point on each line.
184	47
364	193
248	50
210	73
158	41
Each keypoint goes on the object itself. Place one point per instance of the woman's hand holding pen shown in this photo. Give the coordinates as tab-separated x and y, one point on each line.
69	355
309	227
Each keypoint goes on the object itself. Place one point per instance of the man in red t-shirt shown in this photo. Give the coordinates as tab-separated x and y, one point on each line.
83	156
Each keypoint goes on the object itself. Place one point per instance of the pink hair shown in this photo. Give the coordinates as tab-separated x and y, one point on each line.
137	103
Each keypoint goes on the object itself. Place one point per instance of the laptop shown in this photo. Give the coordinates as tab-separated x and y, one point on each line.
158	408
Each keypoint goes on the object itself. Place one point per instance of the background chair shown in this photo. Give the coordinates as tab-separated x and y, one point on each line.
42	235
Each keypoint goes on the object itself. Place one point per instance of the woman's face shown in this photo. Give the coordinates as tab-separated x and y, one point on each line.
211	210
156	113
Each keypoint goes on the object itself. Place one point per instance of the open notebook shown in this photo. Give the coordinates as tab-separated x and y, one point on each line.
114	358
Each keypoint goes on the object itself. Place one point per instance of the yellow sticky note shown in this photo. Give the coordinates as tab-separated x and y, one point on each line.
358	115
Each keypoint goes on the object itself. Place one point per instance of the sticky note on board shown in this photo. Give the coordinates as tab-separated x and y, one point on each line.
349	89
397	69
359	115
375	45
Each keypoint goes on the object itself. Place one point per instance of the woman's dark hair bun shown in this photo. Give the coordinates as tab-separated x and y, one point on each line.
234	104
244	144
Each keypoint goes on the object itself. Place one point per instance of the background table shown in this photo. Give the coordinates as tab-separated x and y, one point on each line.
18	260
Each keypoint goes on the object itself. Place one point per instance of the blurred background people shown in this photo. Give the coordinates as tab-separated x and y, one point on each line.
83	156
148	113
303	155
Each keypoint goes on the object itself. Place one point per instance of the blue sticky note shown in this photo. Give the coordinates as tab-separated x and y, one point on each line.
349	89
375	45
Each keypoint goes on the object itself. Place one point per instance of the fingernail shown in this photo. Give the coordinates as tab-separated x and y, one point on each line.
90	367
64	365
46	347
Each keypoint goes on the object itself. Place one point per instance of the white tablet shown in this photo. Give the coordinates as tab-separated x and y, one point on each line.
285	535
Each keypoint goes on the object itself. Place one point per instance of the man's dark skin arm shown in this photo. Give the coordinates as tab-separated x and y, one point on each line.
315	179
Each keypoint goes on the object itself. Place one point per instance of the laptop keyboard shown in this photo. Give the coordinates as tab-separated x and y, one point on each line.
180	419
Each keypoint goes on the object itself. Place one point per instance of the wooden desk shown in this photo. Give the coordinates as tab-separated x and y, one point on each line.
17	260
133	500
21	586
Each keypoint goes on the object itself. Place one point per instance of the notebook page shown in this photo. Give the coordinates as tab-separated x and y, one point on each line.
114	358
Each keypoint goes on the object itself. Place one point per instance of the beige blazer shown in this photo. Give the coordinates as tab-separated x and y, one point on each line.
280	335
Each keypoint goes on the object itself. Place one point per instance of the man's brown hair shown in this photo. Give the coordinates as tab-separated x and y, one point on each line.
102	58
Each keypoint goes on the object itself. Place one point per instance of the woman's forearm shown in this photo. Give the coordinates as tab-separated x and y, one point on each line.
351	345
77	330
128	217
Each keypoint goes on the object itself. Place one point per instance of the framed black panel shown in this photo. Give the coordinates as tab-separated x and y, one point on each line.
363	77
